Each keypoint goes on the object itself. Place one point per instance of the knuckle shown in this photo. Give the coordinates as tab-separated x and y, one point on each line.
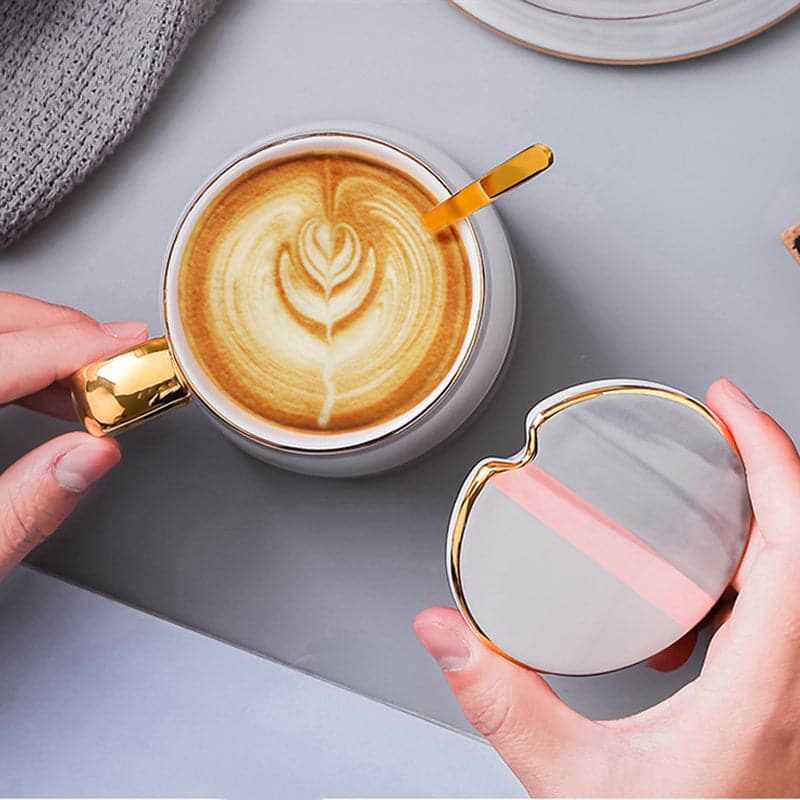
492	710
69	314
21	530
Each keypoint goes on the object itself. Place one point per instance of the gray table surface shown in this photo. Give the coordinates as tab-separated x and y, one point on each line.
101	700
651	251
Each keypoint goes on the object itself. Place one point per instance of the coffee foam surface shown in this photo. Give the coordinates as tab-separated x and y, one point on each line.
313	297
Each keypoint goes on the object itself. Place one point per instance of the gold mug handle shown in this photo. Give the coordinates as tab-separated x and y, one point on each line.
124	390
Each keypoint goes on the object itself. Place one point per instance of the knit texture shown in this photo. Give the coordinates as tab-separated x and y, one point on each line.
75	77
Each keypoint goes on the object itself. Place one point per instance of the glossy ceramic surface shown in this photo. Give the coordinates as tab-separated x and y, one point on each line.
609	537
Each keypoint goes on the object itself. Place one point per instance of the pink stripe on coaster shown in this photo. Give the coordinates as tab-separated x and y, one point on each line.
608	544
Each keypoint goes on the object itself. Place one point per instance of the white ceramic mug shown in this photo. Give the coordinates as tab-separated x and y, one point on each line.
161	374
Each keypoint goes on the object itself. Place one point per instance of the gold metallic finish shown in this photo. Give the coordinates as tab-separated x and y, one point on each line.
487	469
435	401
652	391
514	171
478	480
124	390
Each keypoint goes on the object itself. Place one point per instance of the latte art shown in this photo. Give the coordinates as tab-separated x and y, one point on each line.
320	301
313	297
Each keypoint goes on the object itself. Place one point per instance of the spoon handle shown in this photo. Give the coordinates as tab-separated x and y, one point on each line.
516	170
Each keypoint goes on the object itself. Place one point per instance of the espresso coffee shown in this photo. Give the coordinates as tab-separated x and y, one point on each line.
313	297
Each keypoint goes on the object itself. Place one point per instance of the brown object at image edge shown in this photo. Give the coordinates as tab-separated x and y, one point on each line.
624	62
791	238
127	389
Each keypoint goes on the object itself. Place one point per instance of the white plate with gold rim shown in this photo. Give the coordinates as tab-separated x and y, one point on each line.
628	31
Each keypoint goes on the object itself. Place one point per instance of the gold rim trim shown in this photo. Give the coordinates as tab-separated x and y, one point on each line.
626	62
435	401
476	481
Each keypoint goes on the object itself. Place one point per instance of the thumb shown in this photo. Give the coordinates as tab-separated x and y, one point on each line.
43	487
513	707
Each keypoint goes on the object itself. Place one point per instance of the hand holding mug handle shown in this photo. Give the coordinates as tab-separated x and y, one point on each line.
41	345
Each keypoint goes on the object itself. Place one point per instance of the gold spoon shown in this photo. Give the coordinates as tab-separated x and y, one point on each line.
516	170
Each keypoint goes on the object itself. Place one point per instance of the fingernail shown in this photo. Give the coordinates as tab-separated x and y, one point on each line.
125	330
78	469
735	393
446	646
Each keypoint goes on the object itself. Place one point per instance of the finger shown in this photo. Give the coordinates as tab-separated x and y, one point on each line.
755	545
513	707
761	634
676	655
771	462
55	401
41	489
33	359
18	312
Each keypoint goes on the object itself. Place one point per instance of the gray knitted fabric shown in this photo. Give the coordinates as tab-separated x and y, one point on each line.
75	76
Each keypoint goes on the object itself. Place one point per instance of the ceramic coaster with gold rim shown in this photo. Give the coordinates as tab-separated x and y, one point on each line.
608	536
628	31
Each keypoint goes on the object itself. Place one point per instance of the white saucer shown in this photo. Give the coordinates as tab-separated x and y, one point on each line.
628	31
